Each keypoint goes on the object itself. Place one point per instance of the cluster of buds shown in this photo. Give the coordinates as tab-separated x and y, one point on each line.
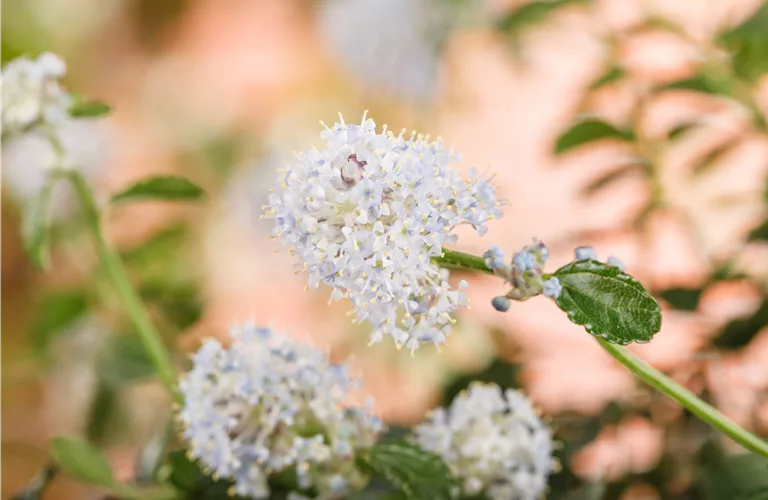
525	273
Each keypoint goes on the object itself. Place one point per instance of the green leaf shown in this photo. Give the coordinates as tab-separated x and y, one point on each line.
683	299
587	131
81	108
161	188
740	332
680	130
55	312
610	177
697	83
186	475
608	302
760	233
613	74
82	461
418	473
749	44
126	361
735	476
531	13
34	226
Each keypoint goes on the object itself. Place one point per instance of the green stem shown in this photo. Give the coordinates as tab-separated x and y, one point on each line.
661	382
117	273
648	374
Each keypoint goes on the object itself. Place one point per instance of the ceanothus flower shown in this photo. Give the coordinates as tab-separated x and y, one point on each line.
493	441
269	404
367	213
32	94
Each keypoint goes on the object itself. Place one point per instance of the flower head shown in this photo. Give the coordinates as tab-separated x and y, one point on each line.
268	404
32	94
366	215
494	442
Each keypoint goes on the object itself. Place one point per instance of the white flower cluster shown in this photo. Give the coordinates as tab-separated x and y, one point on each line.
32	94
494	442
269	404
366	215
390	45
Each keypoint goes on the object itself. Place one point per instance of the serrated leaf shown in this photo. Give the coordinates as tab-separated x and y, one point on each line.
711	159
608	302
683	299
608	178
421	475
531	13
161	188
613	74
82	461
587	131
55	313
81	108
34	226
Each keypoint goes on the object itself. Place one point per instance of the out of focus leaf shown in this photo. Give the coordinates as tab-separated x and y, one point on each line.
81	108
82	461
499	372
735	476
760	232
55	312
697	83
181	304
531	13
740	332
187	476
36	487
589	491
680	130
711	159
160	246
104	419
608	178
421	475
614	73
608	302
34	225
587	131
168	187
683	299
126	361
749	44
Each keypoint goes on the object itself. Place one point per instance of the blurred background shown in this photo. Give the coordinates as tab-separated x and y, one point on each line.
638	127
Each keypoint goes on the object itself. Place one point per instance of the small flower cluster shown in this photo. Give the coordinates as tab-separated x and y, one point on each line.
269	404
494	442
368	213
525	273
32	94
588	253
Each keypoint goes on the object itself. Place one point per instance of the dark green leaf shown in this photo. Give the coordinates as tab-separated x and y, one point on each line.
734	476
684	299
104	419
531	13
588	131
187	476
39	483
608	178
419	474
679	130
82	461
608	302
760	232
34	226
714	157
55	313
740	332
589	491
613	74
161	188
181	304
81	108
126	361
758	494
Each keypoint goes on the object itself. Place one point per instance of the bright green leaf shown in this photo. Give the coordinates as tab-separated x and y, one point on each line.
34	226
82	461
81	108
55	312
161	188
418	473
588	131
608	302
